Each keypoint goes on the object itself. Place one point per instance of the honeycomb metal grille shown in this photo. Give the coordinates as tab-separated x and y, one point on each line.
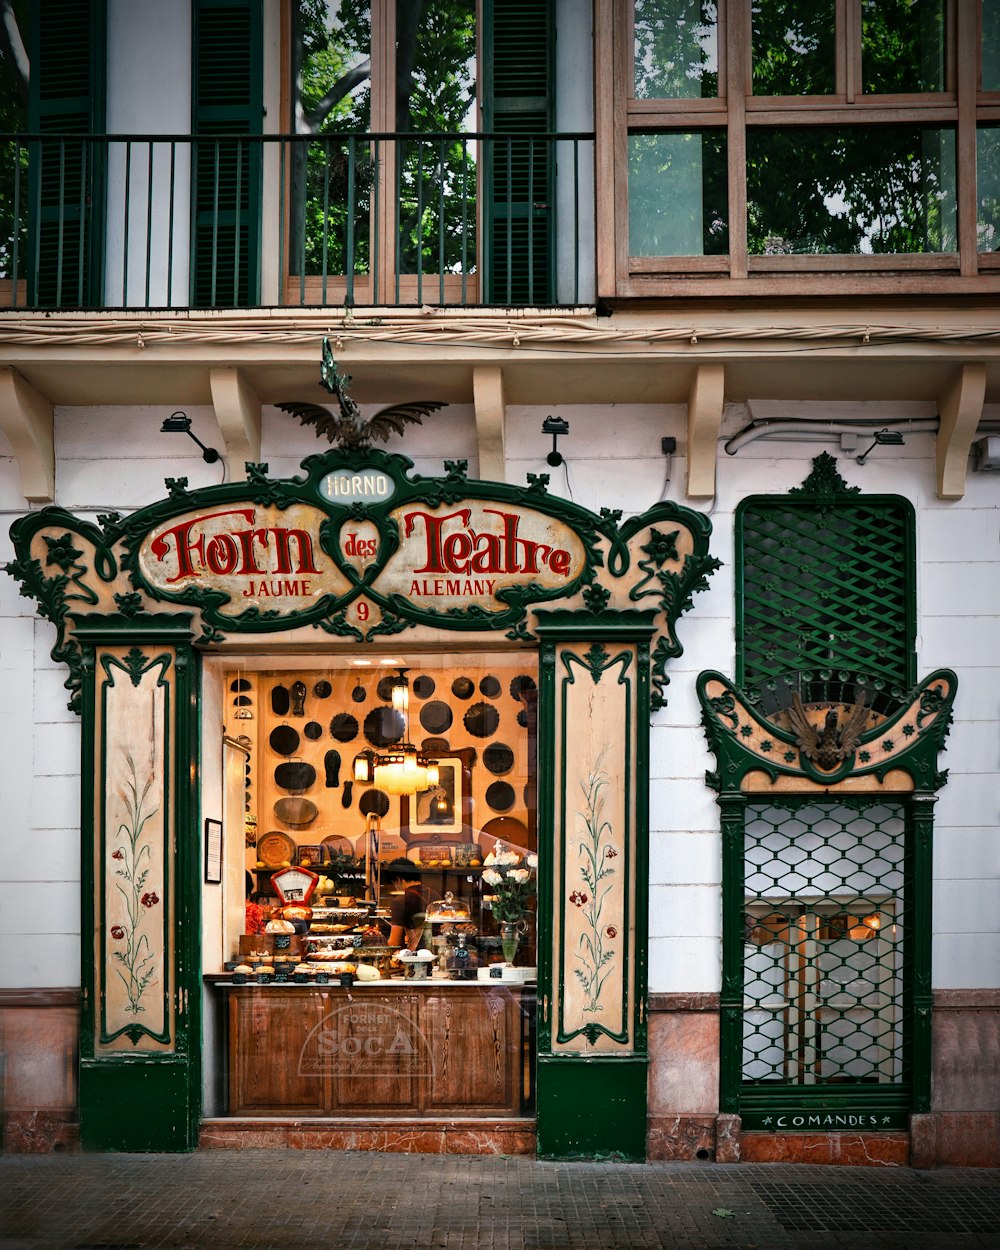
825	919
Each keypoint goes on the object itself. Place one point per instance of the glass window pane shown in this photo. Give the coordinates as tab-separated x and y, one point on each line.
436	66
331	61
677	194
903	45
436	94
330	177
793	47
676	49
991	45
988	188
852	190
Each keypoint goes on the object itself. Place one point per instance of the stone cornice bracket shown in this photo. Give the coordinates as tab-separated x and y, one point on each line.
237	410
488	396
961	408
26	419
705	400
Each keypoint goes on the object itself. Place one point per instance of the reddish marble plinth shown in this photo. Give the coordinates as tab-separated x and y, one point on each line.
881	1150
968	1139
39	1132
728	1138
684	1064
472	1137
681	1138
39	1031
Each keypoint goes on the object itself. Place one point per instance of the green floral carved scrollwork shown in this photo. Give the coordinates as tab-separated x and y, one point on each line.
257	472
520	633
660	548
136	662
596	597
340	626
677	591
824	479
59	593
129	604
210	635
391	623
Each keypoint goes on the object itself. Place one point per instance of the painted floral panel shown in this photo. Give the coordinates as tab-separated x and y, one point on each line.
133	846
594	908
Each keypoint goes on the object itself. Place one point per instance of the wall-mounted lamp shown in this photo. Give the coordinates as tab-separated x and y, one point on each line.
180	423
555	426
883	438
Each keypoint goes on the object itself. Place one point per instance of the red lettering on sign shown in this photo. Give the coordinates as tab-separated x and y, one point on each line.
459	549
234	551
362	548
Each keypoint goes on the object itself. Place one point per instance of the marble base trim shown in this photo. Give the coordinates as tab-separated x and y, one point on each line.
680	1138
20	997
955	1139
457	1137
877	1150
693	1001
39	1132
967	1000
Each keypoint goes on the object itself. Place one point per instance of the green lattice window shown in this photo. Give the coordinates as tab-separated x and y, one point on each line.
825	604
825	921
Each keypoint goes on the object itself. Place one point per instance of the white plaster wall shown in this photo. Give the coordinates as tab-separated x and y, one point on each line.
114	458
148	95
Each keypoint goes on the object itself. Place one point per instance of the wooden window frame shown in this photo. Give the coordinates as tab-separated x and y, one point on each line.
618	115
382	279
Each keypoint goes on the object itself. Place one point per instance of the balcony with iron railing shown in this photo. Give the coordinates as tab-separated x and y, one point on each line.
98	222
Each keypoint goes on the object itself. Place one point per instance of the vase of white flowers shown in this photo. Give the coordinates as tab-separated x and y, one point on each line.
512	880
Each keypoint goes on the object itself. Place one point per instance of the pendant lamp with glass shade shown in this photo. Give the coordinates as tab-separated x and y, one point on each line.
401	769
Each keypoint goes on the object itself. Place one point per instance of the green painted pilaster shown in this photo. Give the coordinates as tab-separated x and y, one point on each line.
594	693
917	976
140	1035
733	807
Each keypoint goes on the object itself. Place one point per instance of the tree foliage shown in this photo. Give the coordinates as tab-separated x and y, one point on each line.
433	93
14	69
834	189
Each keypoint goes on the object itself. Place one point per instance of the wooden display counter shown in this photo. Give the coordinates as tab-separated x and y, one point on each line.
394	1048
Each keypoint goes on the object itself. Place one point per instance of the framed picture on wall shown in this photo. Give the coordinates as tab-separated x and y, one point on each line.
213	851
444	812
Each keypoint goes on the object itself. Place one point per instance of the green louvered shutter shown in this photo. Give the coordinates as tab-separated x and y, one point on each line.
228	101
66	99
518	100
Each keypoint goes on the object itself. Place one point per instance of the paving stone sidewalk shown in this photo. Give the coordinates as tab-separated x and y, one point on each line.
316	1200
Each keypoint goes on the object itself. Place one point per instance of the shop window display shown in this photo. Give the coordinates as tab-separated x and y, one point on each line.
420	901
